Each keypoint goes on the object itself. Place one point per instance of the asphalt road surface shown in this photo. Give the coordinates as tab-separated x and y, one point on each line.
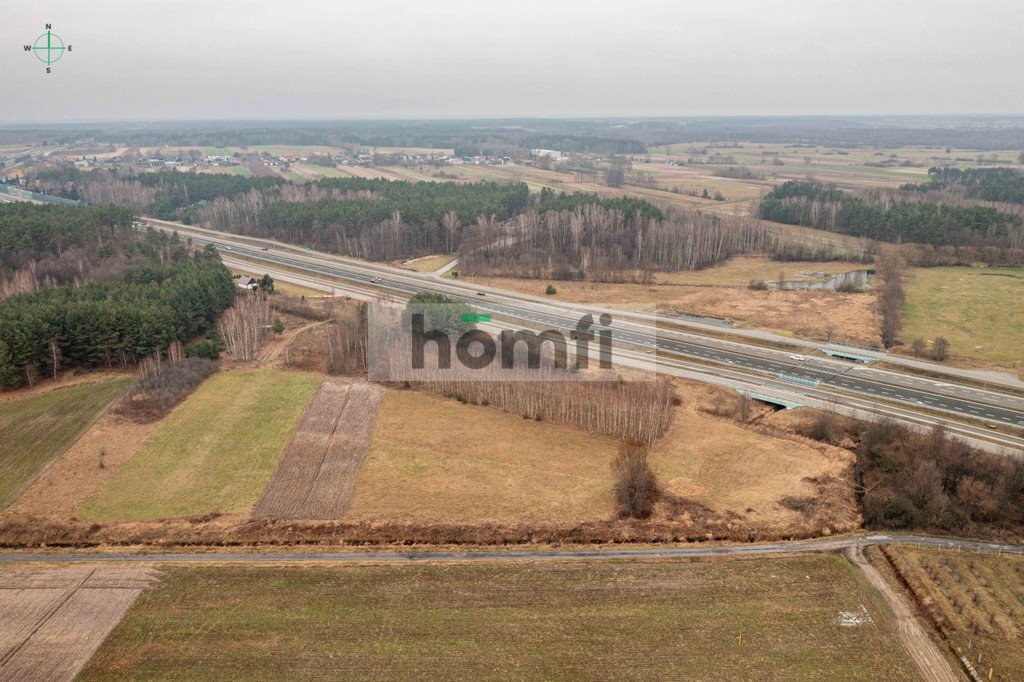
674	552
820	377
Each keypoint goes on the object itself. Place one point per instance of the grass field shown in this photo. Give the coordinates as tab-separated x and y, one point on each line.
741	270
729	468
846	167
977	600
979	310
213	453
37	429
243	171
434	460
294	149
428	263
313	172
725	619
423	151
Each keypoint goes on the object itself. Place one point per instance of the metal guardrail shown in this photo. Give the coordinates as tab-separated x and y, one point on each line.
36	196
797	380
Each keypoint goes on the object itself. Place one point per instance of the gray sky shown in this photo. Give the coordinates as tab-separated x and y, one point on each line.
190	59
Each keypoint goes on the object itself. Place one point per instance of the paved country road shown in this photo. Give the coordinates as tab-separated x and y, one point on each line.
213	557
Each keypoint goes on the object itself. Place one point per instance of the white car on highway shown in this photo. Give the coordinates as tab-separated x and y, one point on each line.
798	358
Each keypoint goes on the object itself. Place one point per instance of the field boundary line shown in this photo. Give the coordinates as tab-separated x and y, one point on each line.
403	556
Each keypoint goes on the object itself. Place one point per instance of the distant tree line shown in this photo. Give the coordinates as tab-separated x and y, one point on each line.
376	219
846	132
593	241
590	144
29	232
599	137
371	218
987	184
166	194
177	191
48	245
173	296
548	200
979	133
883	217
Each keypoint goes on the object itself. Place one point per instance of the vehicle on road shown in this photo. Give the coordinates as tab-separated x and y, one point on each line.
480	293
798	358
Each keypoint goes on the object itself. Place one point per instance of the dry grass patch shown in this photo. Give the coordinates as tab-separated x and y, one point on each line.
213	453
741	270
734	469
427	263
748	619
433	459
87	465
808	314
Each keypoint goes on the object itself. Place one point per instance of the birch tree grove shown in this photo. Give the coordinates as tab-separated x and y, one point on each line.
634	411
245	326
602	244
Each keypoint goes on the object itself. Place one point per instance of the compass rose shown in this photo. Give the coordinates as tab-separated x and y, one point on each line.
48	48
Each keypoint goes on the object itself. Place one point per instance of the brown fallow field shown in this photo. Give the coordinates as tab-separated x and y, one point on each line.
52	619
317	473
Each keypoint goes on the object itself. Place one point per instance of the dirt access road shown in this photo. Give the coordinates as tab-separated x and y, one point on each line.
930	662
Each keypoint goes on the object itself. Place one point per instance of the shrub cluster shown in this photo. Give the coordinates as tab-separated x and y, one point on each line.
162	384
928	481
636	487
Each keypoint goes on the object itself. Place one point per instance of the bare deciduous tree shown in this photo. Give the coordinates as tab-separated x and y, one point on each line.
891	295
245	326
636	487
451	227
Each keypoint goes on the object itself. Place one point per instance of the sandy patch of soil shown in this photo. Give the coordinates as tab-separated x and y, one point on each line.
270	355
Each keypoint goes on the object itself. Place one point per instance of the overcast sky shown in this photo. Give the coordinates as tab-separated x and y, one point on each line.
192	59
